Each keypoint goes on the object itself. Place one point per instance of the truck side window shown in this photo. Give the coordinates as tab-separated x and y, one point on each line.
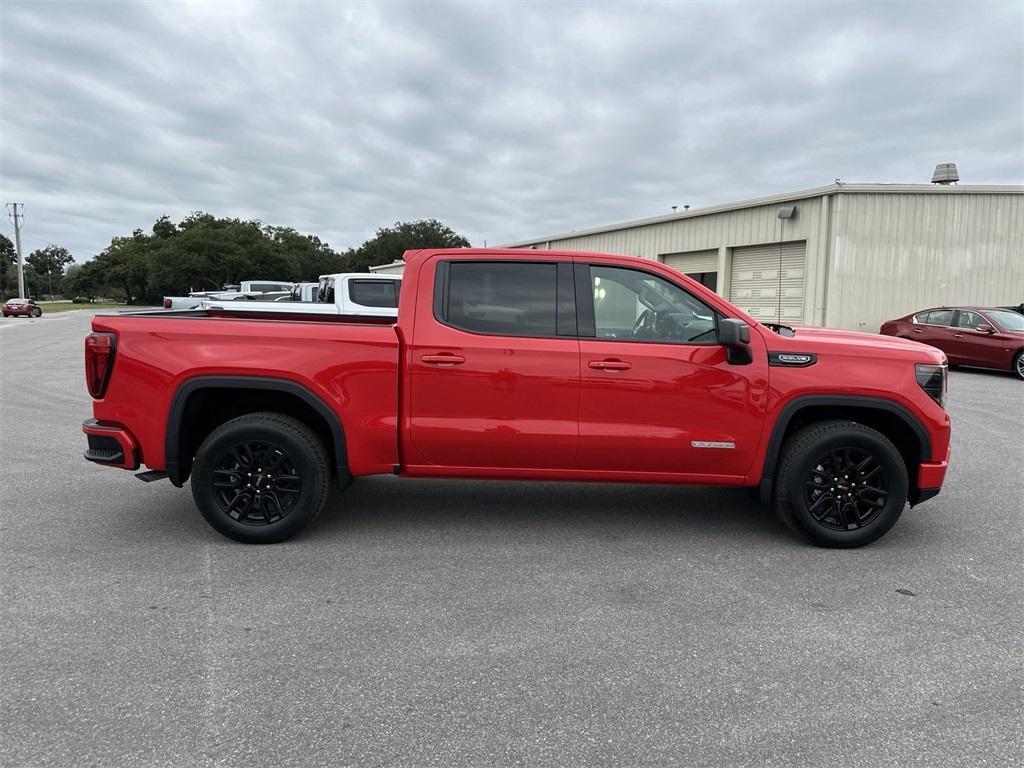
502	298
373	293
633	305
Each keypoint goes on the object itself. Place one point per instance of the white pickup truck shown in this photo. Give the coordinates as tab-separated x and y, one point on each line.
246	290
350	294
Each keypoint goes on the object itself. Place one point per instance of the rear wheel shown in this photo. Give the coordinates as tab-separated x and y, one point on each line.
261	478
37	312
1018	364
840	484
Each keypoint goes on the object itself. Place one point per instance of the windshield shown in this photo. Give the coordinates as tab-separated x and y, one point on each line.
1008	320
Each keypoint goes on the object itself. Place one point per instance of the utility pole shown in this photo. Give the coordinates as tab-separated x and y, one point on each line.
17	246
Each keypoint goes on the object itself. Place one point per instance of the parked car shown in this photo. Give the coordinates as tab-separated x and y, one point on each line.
247	290
343	296
22	307
980	337
512	364
194	301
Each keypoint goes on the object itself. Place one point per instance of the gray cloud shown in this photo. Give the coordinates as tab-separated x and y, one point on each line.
506	121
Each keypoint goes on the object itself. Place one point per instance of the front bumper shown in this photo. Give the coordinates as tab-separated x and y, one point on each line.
930	476
110	445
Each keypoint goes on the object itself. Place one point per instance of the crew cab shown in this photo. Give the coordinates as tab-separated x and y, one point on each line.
353	295
511	364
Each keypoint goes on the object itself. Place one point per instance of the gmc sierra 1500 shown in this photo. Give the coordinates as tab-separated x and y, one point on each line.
521	364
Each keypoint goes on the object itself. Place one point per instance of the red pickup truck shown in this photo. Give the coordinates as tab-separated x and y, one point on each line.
521	365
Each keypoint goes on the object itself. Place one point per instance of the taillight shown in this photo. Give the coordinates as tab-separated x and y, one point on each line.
932	379
167	303
99	360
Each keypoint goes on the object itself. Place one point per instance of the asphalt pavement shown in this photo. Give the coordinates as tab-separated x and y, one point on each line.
437	623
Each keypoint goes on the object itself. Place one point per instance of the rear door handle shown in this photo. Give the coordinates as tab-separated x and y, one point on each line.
958	335
918	330
444	358
610	365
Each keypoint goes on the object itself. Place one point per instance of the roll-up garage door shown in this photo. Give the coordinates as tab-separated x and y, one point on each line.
692	261
767	279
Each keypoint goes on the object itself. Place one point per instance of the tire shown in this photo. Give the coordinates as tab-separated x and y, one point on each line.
816	497
1018	364
37	313
248	503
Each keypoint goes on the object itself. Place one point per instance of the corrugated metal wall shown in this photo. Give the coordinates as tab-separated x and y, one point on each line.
892	254
757	225
746	226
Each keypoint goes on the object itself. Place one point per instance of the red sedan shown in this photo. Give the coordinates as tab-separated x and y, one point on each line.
25	307
975	336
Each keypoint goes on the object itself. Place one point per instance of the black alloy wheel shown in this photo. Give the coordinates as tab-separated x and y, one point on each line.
261	478
846	489
256	482
840	483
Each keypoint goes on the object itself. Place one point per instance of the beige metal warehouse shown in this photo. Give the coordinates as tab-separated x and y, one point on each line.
847	256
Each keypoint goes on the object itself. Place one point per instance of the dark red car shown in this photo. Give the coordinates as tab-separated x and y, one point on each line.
25	307
982	337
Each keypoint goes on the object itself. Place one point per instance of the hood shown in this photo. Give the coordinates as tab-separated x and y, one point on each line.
853	342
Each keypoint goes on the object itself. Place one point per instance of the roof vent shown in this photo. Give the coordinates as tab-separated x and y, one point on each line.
945	173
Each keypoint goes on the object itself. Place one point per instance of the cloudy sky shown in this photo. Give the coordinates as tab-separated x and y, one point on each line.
504	120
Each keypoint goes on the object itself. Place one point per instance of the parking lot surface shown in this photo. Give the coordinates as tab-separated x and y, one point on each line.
492	624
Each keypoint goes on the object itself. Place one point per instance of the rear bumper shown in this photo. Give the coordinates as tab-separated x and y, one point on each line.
110	445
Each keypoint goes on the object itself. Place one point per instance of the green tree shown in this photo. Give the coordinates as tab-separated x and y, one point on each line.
125	264
82	280
309	256
390	243
8	268
44	268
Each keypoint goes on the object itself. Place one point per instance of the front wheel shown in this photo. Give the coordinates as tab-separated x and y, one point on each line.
1018	364
37	313
840	484
261	478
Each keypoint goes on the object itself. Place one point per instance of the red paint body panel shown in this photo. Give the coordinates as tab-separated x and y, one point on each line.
439	401
353	369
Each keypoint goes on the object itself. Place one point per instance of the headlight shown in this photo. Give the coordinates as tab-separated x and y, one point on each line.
932	379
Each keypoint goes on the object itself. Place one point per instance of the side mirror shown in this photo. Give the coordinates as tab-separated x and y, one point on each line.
985	328
734	335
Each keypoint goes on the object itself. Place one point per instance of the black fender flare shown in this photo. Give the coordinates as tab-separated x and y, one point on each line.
177	473
790	409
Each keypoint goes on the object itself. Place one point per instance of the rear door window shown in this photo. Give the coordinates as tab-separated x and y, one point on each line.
939	317
500	298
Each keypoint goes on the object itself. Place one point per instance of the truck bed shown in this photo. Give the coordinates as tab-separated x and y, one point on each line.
352	367
268	311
